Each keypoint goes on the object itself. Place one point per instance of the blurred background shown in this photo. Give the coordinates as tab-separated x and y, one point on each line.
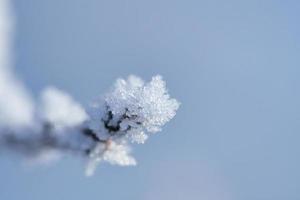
234	66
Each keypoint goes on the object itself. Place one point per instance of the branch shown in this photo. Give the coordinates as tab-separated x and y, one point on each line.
128	113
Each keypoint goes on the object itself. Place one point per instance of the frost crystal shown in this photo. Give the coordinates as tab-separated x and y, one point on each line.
130	110
59	109
112	152
134	107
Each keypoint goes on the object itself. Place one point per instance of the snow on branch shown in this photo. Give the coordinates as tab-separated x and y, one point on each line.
128	113
56	125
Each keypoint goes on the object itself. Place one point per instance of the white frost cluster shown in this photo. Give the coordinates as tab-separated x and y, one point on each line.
59	109
138	107
111	152
130	111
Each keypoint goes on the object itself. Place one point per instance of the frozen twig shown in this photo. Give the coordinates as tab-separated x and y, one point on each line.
56	125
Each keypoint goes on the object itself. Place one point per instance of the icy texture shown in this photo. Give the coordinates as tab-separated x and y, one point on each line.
134	108
130	111
111	152
59	109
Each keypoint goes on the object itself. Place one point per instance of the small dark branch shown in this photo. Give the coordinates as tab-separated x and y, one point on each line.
114	128
89	133
88	151
47	127
111	128
47	137
125	115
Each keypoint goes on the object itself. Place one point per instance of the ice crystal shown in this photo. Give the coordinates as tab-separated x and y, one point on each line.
134	108
112	152
59	109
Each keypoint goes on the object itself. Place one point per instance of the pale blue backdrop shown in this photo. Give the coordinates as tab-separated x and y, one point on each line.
234	65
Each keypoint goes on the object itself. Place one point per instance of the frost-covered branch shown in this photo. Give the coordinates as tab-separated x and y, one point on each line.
128	113
56	125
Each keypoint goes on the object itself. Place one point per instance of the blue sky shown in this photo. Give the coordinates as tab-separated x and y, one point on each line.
234	65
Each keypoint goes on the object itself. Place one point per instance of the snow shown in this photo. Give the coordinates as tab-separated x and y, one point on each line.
16	105
140	107
59	109
112	152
